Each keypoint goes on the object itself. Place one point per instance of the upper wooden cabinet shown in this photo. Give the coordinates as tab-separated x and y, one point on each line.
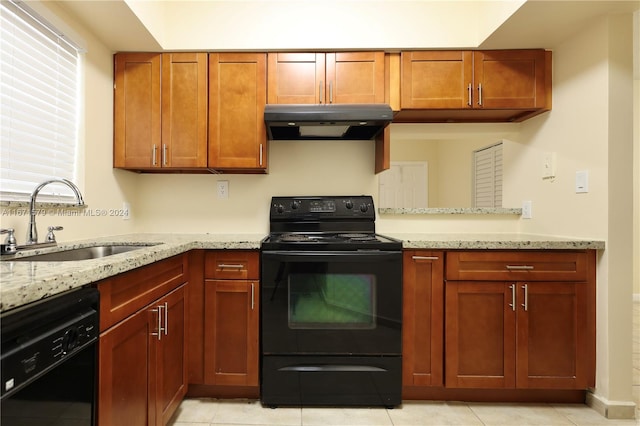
316	78
489	86
160	106
237	95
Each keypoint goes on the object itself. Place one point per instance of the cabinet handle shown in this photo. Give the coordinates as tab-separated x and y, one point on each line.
425	257
513	297
153	154
260	161
166	318
320	99
164	154
519	267
480	94
252	296
469	94
331	92
159	333
525	305
230	266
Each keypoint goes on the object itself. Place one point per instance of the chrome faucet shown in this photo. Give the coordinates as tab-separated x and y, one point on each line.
32	232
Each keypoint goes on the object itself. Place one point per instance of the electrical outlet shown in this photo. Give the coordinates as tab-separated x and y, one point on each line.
223	189
526	210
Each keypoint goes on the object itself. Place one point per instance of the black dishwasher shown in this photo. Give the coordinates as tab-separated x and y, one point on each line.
48	361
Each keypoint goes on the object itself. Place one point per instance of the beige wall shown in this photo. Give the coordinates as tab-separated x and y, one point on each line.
580	129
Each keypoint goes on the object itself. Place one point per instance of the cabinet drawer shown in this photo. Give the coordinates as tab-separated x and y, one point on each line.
232	265
124	294
518	265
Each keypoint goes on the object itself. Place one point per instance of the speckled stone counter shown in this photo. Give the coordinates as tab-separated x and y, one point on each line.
493	241
24	282
452	210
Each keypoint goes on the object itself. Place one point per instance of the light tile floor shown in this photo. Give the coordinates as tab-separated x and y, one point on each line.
213	412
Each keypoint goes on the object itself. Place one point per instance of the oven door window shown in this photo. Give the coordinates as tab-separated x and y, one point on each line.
332	301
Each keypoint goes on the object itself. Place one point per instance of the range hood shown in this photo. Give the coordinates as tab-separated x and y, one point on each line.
326	121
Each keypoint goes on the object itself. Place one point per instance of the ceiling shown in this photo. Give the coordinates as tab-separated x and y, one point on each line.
536	24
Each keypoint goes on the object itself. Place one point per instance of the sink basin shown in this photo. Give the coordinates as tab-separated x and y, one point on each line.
82	253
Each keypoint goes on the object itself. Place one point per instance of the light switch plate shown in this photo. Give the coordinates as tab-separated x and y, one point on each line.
582	181
549	165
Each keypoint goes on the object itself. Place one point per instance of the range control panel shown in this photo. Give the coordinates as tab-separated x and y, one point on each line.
320	208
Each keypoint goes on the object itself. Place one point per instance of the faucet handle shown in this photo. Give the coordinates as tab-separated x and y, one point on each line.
10	244
51	238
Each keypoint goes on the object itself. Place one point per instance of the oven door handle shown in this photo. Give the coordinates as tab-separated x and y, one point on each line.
330	256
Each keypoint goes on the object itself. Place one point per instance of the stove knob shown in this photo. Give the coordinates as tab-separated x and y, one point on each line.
295	204
364	208
349	204
280	208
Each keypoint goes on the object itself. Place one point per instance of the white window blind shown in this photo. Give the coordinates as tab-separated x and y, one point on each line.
487	176
39	93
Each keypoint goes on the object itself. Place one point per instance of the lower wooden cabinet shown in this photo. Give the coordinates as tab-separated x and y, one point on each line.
142	373
530	333
423	318
231	318
231	332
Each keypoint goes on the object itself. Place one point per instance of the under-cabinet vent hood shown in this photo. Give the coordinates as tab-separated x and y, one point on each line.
326	121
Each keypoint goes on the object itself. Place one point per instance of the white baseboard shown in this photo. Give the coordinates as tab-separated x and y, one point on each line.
611	409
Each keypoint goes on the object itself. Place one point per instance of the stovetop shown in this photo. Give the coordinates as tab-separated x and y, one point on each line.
325	223
329	241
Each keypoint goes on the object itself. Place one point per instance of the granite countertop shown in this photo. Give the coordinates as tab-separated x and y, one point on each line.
25	282
494	242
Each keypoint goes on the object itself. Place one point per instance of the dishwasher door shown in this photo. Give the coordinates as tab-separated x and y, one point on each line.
48	361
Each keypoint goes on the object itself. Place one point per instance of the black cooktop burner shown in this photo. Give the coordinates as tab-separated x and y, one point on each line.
325	223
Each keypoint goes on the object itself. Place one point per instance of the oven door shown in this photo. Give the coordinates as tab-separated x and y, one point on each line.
337	303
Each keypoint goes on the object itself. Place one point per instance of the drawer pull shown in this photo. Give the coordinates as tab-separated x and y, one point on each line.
425	257
230	266
519	267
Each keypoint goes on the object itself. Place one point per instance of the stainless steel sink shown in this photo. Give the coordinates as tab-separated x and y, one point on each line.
82	253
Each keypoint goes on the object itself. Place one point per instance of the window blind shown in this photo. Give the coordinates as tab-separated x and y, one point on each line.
39	92
487	176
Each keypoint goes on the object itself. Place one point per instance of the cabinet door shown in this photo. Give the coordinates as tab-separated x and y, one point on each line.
510	79
237	95
296	78
137	117
171	365
552	350
479	334
231	332
423	315
436	79
124	376
184	110
354	78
